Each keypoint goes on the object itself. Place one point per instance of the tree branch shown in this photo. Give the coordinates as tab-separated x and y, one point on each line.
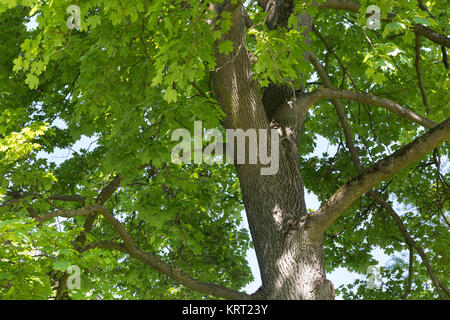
421	30
334	94
382	170
162	267
17	196
109	190
62	286
66	214
341	5
410	272
105	244
423	7
337	104
419	73
131	249
278	12
326	93
357	163
103	196
411	243
331	50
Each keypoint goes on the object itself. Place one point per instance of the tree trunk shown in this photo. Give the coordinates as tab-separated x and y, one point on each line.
289	251
290	255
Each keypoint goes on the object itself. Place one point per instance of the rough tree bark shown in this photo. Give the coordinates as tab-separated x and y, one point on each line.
288	241
290	255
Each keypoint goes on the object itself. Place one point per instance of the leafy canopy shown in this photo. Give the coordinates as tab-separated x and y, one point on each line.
137	70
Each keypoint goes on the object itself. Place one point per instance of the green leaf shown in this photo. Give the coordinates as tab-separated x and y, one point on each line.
61	265
226	47
170	95
32	81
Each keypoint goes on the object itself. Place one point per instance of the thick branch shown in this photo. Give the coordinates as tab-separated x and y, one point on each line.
382	170
103	196
326	93
423	7
131	249
278	12
62	286
357	163
109	190
421	30
164	268
66	214
17	196
341	5
333	94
